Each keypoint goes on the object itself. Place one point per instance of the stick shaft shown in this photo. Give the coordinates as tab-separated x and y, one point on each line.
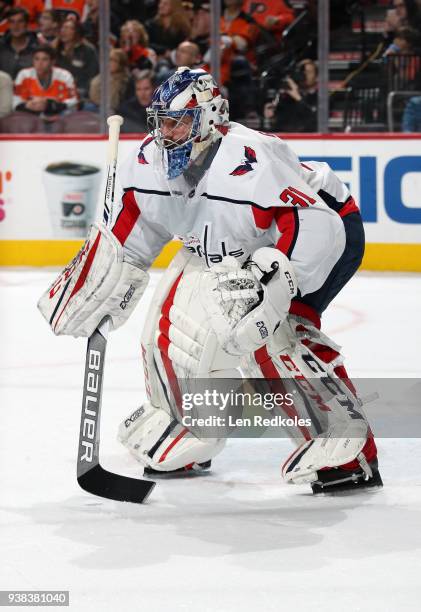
114	124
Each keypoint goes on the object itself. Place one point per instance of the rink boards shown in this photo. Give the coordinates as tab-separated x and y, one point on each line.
44	209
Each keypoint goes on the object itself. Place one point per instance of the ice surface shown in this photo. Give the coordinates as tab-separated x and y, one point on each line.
236	539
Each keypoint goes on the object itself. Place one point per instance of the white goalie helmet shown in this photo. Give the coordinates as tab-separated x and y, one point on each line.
187	114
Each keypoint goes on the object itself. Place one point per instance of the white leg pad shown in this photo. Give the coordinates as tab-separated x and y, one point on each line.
160	442
153	386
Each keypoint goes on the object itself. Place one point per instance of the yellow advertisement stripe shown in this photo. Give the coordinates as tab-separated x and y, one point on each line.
378	256
392	257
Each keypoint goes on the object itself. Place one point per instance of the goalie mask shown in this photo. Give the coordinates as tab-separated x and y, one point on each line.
187	115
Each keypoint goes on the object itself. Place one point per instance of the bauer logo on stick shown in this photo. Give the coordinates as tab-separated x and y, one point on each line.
91	405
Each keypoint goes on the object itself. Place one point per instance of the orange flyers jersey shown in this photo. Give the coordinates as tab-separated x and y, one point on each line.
4	26
261	9
77	6
239	27
62	87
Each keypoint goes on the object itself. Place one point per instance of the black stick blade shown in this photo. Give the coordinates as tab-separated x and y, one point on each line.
91	476
114	486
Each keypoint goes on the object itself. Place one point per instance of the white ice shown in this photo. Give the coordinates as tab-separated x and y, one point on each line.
236	539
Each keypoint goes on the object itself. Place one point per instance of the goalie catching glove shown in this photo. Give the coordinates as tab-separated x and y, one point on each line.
246	305
96	283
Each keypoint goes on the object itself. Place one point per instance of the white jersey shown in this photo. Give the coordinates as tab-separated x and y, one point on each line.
255	193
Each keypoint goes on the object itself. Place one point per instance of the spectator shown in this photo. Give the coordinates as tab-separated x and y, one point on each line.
236	25
405	13
273	15
295	107
123	10
405	42
4	11
76	8
118	82
240	36
49	26
134	110
188	10
186	54
18	44
200	29
134	41
200	34
91	24
169	28
76	55
44	88
402	59
6	94
411	120
34	9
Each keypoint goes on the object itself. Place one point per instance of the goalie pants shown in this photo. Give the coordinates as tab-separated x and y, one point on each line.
345	267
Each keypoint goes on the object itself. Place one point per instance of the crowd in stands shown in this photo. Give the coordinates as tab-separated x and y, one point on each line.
49	56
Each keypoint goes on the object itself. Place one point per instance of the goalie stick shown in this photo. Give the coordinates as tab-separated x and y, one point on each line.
91	476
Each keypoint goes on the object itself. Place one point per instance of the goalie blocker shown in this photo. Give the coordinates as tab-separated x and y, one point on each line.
96	283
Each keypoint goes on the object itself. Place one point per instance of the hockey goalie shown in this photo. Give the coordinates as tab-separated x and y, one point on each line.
268	242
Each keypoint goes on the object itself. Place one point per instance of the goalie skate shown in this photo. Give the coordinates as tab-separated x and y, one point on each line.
333	480
361	473
183	471
304	466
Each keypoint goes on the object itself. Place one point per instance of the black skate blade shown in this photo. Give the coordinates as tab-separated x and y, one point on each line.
180	472
337	481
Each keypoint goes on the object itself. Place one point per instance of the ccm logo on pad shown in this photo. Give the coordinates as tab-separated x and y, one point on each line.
290	282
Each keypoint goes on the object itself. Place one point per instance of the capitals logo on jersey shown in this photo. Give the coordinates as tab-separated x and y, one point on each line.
246	166
200	248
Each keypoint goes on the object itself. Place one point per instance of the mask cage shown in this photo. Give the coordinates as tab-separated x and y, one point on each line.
155	121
